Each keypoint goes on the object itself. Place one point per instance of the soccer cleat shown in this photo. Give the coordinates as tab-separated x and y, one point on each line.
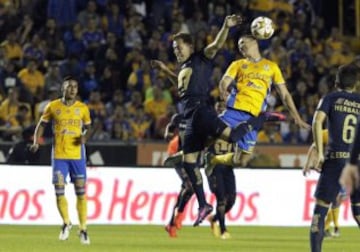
226	235
84	238
173	160
179	217
327	234
273	116
336	232
215	229
171	231
65	232
203	212
209	167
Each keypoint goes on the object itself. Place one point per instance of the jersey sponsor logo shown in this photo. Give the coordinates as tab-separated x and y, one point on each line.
253	85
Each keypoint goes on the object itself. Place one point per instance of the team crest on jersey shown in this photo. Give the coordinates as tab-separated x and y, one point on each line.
266	67
58	112
244	66
77	111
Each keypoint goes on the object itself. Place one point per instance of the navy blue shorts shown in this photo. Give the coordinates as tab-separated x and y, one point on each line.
328	185
203	123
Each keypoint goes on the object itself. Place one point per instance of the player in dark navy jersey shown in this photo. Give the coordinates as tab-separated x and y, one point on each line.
341	110
201	118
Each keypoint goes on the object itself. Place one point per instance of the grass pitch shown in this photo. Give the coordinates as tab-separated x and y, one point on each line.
153	238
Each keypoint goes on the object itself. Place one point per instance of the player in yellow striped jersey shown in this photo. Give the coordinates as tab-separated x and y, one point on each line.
245	86
71	123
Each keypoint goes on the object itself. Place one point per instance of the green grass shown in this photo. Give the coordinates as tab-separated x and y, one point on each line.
153	238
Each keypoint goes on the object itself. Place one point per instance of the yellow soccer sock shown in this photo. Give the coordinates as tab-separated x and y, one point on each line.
225	159
62	206
329	219
81	205
335	214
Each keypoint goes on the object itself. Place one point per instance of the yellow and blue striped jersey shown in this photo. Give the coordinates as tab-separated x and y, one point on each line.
67	125
253	81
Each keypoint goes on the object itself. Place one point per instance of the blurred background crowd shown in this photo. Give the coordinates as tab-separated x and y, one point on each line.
107	46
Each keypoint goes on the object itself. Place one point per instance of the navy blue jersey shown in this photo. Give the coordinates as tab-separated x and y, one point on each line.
193	82
342	109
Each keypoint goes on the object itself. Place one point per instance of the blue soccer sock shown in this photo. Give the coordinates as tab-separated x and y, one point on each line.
317	227
196	182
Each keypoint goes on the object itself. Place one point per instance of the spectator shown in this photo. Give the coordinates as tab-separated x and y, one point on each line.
33	80
269	134
20	153
89	81
92	38
13	115
12	48
140	125
96	106
53	77
157	106
89	14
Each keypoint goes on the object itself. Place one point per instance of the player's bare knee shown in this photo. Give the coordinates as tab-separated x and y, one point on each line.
79	186
59	184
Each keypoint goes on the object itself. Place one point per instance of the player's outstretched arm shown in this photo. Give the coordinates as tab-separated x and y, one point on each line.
39	131
318	121
157	64
310	160
224	86
289	103
213	47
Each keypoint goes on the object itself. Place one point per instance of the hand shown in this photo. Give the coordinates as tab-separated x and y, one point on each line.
306	170
302	124
157	64
349	178
232	20
34	148
319	163
79	140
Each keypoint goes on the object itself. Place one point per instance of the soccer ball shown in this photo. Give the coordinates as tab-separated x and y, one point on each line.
262	28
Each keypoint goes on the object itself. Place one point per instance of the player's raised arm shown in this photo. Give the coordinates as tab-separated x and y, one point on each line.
289	103
157	64
213	47
318	121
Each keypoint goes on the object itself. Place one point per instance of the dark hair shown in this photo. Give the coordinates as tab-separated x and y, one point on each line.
346	76
186	37
69	78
